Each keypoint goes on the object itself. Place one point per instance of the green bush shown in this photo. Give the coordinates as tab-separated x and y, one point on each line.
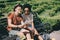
48	10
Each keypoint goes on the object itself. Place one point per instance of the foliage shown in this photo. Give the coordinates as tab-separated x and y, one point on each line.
48	10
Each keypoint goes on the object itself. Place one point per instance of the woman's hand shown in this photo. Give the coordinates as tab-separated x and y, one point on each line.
31	29
20	26
24	26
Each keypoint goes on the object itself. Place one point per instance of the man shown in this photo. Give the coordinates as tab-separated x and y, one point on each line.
28	18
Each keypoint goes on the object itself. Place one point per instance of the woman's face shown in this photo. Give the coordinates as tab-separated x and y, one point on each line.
18	10
26	11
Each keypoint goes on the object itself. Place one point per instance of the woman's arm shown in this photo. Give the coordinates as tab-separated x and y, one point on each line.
24	24
32	25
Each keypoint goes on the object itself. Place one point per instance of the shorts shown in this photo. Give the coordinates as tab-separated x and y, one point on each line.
13	32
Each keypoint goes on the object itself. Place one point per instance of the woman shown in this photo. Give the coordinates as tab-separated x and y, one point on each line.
28	17
15	23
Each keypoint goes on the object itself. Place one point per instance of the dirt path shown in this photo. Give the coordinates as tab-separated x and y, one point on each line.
55	35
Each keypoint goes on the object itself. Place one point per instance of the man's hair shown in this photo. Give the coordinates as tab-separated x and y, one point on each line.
27	6
18	5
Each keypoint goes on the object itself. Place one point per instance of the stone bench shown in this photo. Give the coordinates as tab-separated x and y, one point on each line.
4	35
3	24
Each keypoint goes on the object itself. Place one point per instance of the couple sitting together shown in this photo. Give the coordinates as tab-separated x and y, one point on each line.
20	22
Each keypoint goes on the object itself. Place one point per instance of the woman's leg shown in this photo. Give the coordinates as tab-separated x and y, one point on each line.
28	36
36	33
27	33
53	39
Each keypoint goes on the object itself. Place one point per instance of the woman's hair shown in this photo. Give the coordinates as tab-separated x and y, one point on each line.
27	6
18	5
20	15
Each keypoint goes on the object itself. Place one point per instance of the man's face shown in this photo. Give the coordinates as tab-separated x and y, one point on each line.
26	11
18	9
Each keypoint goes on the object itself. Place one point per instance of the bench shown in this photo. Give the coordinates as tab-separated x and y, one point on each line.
3	31
3	24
